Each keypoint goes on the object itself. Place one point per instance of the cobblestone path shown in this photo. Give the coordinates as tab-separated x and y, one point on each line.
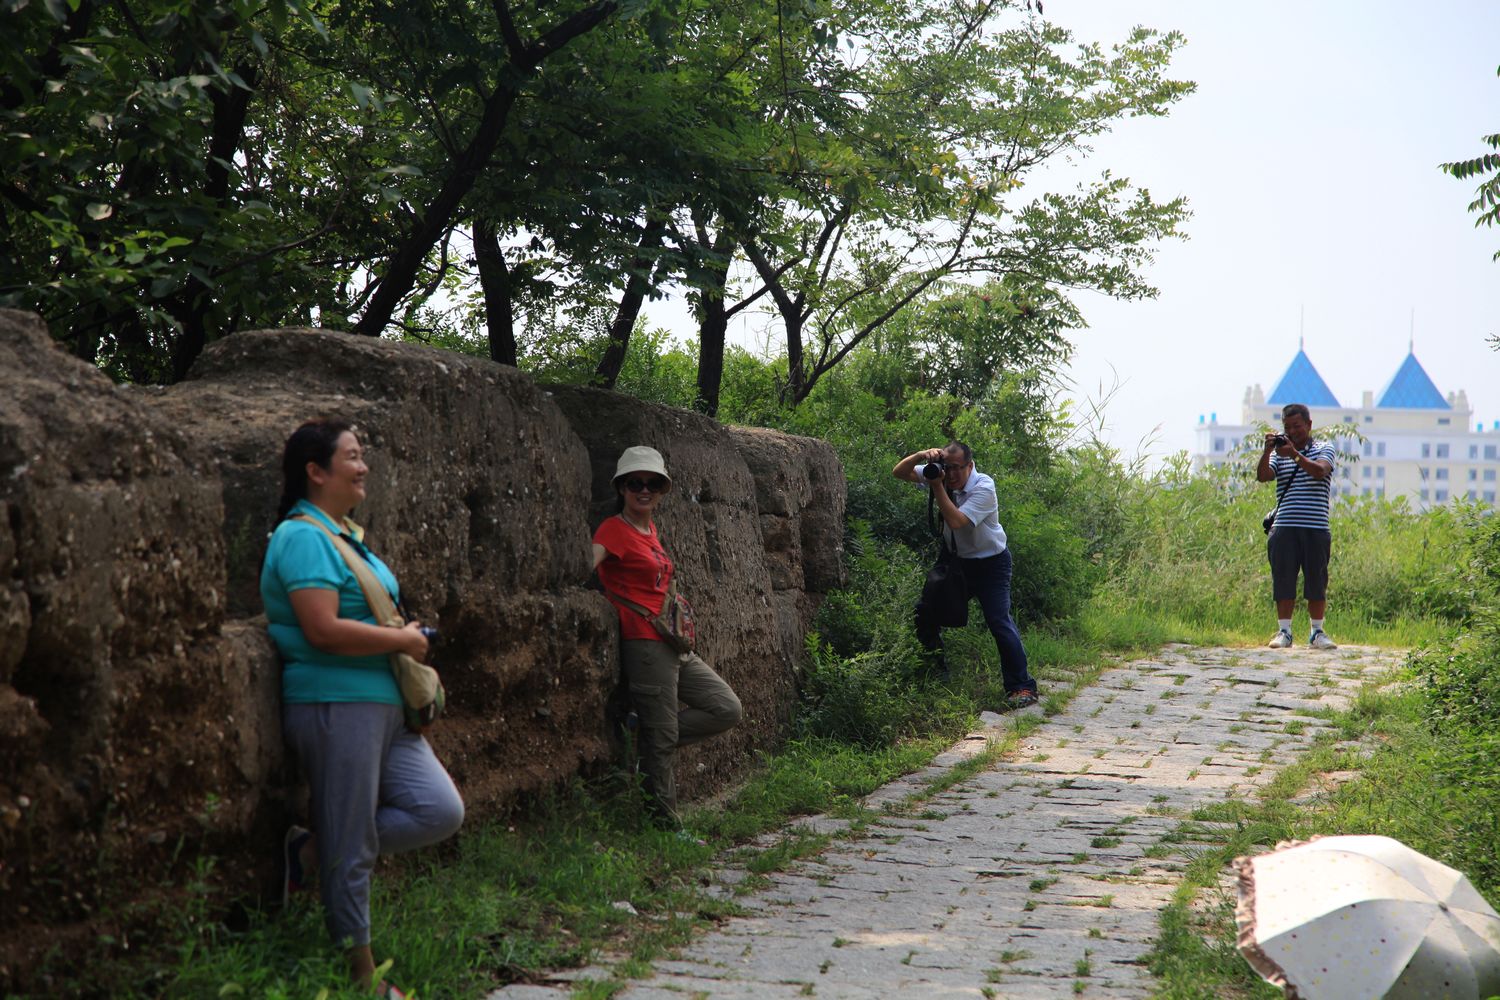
1039	877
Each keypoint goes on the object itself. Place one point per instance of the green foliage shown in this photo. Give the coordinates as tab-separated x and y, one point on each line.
114	210
885	198
1461	685
176	171
657	371
1486	203
1388	564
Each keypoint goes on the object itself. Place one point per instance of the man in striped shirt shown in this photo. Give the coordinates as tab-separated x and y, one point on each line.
1300	538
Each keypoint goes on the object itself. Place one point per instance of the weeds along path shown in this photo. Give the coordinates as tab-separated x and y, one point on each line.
1040	876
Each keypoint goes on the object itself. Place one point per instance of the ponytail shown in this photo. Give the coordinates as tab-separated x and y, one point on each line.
314	441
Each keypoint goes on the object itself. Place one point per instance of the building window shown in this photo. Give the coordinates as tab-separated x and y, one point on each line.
1442	495
1426	450
1489	451
1473	495
1380	491
1473	474
1366	472
1365	492
1423	472
1218	444
1489	496
1442	450
1489	475
1369	420
1422	495
1379	472
1473	451
1444	421
1367	449
1380	449
1442	474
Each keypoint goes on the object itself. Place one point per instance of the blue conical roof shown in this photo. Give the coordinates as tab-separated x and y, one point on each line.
1302	384
1411	389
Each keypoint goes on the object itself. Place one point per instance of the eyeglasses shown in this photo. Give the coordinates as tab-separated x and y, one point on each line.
656	485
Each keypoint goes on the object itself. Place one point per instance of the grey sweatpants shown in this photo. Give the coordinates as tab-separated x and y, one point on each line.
658	680
376	788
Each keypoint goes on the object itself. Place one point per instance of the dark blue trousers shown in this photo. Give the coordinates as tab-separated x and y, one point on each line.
988	579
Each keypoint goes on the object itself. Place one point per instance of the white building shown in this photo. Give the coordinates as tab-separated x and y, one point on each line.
1417	443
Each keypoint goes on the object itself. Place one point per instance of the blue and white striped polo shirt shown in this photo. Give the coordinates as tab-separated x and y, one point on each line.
1304	504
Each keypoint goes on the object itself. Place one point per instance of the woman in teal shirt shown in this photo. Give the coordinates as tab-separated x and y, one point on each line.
375	787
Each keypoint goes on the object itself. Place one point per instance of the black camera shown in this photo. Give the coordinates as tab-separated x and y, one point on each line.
428	633
933	470
1278	440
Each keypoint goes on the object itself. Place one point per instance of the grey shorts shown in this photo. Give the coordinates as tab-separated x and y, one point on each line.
1294	549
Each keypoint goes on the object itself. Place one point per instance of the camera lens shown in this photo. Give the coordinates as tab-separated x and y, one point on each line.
932	470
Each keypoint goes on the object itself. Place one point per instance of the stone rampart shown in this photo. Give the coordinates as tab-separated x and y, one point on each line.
139	718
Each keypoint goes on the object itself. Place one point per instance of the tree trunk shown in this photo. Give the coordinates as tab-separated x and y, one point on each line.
494	279
796	376
191	307
792	319
641	266
713	321
87	335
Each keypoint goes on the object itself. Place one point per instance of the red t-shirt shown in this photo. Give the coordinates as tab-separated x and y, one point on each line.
636	568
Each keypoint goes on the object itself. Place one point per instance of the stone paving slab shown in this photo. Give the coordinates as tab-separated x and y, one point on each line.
1030	880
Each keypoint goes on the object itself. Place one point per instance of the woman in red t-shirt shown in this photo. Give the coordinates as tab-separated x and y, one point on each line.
633	565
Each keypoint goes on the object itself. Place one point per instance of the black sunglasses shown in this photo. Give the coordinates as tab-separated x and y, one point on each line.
655	485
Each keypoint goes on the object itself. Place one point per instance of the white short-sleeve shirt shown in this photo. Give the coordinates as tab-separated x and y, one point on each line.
983	536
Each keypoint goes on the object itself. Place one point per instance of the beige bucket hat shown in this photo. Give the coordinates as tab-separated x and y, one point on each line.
639	458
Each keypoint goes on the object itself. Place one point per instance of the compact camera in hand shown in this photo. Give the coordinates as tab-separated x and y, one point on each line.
1278	440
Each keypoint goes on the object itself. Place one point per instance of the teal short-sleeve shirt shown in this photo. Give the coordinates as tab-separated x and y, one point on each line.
300	556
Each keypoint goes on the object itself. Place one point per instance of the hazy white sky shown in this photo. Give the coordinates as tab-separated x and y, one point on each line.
1309	157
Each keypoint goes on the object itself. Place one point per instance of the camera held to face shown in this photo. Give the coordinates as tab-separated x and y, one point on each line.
934	470
1278	440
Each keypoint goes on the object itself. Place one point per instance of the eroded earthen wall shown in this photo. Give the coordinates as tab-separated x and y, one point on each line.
139	720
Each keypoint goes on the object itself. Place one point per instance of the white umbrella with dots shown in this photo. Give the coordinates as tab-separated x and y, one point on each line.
1362	917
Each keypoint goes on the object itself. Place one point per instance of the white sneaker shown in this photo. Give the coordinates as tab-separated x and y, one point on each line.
1320	640
1281	640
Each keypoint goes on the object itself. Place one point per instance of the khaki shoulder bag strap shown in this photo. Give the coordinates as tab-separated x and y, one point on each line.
379	599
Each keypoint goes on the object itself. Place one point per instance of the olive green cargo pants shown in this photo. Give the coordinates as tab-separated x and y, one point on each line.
660	681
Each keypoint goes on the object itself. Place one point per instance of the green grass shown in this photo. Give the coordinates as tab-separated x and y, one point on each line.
1407	788
509	901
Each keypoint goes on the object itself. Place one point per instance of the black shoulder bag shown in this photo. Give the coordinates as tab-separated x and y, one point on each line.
1269	521
945	591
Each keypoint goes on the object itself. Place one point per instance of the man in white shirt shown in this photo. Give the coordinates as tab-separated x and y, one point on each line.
966	499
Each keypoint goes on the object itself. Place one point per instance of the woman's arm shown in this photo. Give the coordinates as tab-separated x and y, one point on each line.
317	614
600	554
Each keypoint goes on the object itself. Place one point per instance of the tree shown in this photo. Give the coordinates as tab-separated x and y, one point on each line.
175	171
492	93
913	183
1486	203
131	211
